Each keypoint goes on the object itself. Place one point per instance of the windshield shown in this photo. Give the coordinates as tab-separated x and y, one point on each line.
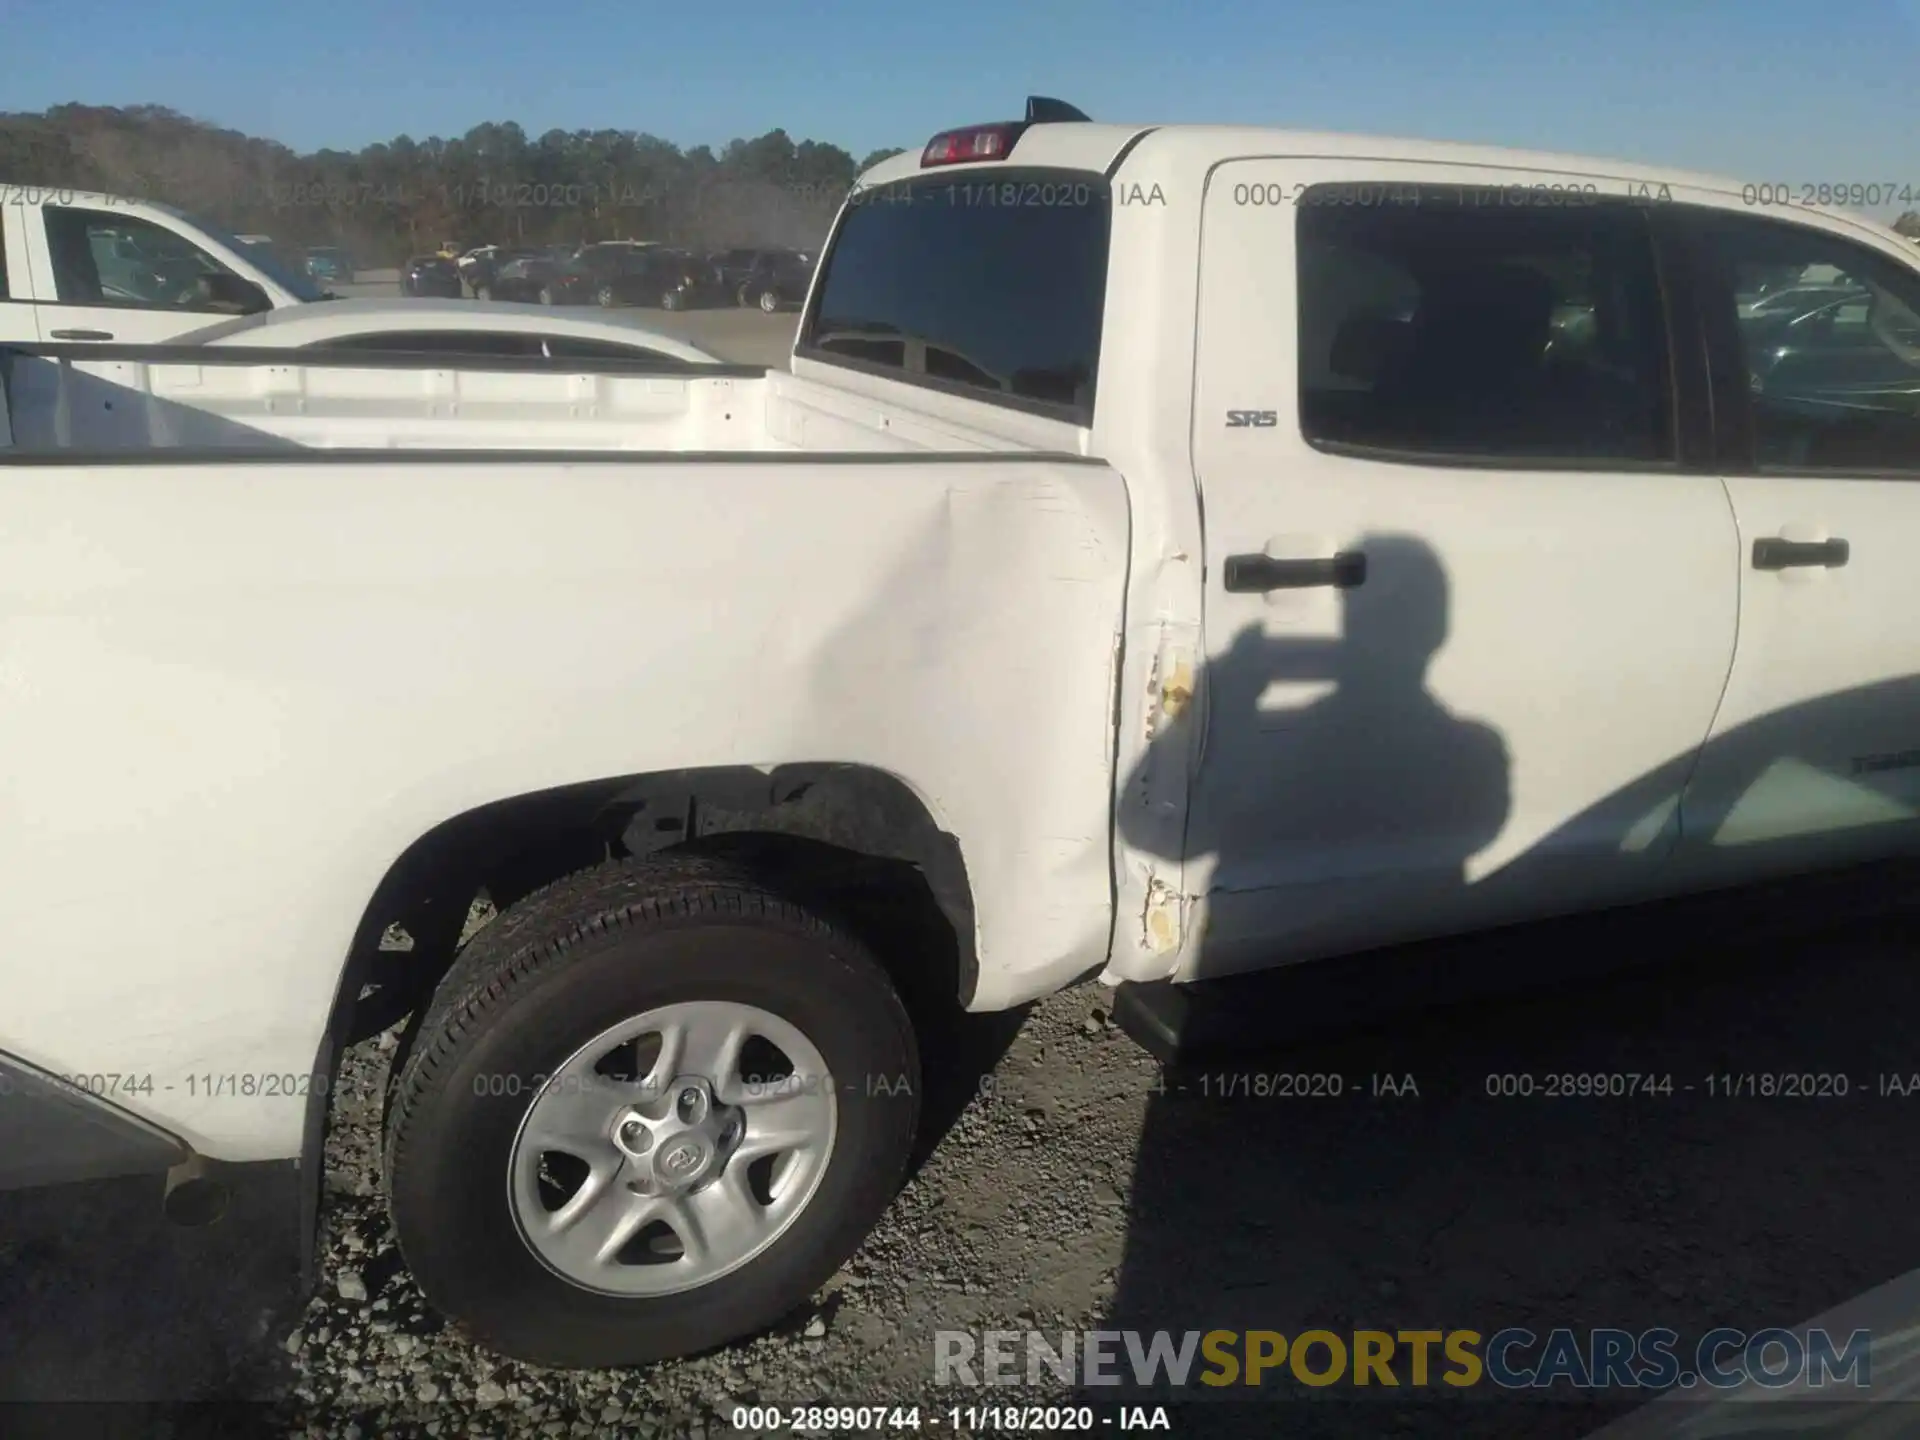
259	256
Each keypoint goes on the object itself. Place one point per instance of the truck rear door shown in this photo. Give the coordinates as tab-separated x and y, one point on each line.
1471	582
1814	759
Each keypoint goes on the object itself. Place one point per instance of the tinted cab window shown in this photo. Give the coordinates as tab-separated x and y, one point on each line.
1434	325
991	285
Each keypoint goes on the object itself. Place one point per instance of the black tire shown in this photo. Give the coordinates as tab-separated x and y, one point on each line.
605	297
744	295
769	301
546	295
543	979
671	300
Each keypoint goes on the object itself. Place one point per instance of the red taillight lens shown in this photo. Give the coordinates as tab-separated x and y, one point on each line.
976	142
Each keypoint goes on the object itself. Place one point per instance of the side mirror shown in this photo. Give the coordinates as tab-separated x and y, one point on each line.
232	293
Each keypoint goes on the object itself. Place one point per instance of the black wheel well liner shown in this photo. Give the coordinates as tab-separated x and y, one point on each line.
856	812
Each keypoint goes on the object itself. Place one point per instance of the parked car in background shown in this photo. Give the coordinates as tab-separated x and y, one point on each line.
732	267
107	269
778	278
633	246
430	275
544	276
672	279
479	265
610	273
448	327
329	264
751	275
620	272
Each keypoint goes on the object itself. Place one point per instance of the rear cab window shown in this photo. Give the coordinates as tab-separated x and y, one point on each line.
985	283
1432	323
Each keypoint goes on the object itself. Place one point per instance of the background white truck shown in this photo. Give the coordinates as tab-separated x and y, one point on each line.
1175	551
77	266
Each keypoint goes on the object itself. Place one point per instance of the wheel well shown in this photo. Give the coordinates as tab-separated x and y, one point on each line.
846	837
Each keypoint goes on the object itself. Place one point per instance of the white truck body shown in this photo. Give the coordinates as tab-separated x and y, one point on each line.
838	633
56	293
250	654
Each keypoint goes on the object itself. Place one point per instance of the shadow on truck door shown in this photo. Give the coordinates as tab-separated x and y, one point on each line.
1597	1154
1369	798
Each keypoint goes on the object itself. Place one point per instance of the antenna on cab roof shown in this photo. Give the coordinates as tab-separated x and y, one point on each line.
1043	110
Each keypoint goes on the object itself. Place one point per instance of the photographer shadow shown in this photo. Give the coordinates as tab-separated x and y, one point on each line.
1434	1203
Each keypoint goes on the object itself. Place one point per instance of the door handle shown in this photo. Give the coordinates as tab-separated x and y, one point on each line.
1255	574
81	334
1772	553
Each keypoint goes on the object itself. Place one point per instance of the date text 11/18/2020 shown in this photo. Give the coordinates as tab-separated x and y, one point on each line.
299	1085
898	1419
116	1085
1719	1085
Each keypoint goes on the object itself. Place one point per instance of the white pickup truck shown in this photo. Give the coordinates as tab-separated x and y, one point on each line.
1174	551
77	266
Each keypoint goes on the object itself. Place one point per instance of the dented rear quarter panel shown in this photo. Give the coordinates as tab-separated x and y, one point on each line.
231	694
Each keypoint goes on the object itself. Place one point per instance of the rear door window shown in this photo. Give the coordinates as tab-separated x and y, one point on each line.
1829	336
987	284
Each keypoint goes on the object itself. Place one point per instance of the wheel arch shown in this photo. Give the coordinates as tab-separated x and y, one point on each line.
802	813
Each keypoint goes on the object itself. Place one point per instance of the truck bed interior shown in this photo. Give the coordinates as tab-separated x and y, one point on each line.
107	402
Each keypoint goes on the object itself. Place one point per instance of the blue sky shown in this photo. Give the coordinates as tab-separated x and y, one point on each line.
1757	89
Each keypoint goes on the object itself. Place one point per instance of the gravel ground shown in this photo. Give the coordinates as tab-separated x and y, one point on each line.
1078	1188
1002	1221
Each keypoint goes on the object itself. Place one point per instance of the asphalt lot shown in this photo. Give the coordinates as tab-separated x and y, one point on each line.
741	336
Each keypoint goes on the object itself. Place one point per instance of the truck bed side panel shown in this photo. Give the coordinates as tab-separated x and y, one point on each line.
231	693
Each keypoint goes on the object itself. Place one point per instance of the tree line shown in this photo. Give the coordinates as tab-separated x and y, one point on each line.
404	197
494	184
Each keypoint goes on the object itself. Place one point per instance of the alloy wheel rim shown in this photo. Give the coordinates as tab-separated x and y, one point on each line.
672	1148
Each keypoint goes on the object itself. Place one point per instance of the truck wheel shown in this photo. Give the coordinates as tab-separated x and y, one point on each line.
769	301
651	1109
546	295
744	295
605	298
671	300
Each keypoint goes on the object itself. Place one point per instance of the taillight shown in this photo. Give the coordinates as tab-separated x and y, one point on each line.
975	142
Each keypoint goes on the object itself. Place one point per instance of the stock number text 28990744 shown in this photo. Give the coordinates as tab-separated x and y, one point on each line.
1554	194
